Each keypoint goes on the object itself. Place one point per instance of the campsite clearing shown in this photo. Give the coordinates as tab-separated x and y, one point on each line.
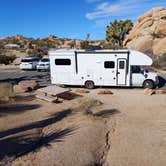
127	129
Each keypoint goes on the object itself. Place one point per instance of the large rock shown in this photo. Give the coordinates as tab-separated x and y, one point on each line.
27	85
141	44
149	32
161	28
160	47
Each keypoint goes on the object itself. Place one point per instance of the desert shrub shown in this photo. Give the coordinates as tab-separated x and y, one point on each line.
107	46
85	105
6	91
85	45
160	61
154	35
7	59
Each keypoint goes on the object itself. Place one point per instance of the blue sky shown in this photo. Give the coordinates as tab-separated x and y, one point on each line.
68	18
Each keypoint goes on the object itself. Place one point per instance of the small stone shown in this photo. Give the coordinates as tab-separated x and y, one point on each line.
28	85
160	91
105	92
149	92
81	91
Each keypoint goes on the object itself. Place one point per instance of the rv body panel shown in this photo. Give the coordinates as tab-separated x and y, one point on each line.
101	68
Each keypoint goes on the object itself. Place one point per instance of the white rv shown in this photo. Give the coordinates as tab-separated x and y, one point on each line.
101	68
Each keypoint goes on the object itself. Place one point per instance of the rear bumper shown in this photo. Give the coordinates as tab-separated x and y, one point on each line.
27	66
43	67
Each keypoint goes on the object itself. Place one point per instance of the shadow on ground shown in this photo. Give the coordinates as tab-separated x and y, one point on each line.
15	146
107	113
22	145
39	124
24	98
16	108
69	96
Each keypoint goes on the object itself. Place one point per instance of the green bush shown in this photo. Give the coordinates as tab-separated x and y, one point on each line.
7	59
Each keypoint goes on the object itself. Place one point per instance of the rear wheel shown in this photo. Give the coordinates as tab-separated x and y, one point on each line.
148	84
89	84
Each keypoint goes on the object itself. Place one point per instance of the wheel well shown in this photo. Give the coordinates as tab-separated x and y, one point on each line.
90	81
148	80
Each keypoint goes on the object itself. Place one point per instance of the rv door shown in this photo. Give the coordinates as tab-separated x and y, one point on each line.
121	71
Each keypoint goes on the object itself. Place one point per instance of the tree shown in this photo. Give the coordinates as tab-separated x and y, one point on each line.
85	43
88	37
116	32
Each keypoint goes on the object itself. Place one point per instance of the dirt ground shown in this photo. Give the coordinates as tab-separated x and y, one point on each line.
129	128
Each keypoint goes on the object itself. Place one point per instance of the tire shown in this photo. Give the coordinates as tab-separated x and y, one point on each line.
149	84
89	84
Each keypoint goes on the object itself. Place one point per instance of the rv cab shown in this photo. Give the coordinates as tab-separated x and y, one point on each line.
142	77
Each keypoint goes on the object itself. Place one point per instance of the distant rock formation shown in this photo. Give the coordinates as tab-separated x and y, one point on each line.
149	33
21	46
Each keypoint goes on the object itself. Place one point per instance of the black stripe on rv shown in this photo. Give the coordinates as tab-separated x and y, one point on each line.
76	63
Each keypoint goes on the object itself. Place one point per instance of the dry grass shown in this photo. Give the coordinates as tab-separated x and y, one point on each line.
6	91
85	105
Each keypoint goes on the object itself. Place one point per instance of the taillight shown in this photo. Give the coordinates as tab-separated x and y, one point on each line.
30	62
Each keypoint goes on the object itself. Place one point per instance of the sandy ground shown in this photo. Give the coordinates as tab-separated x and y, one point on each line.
129	128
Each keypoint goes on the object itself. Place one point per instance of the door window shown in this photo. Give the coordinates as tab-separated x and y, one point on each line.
121	65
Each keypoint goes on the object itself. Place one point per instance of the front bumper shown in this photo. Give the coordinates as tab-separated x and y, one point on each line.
157	81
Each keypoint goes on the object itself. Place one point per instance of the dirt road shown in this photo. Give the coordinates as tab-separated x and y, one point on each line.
127	129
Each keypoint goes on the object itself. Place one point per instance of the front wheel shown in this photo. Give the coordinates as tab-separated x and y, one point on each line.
89	84
148	84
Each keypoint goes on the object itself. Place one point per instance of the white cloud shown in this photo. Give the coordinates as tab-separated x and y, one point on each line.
122	8
103	10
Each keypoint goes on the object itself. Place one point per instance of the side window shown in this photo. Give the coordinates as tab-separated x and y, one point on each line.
109	64
63	62
121	65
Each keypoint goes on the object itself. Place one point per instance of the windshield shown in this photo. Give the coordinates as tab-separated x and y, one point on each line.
30	60
45	60
26	60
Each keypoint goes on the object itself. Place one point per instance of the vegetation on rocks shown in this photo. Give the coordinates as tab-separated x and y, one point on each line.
160	62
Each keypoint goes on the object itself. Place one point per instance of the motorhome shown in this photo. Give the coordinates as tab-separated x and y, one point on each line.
101	68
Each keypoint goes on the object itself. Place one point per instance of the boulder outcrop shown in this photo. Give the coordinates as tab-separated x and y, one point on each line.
149	32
